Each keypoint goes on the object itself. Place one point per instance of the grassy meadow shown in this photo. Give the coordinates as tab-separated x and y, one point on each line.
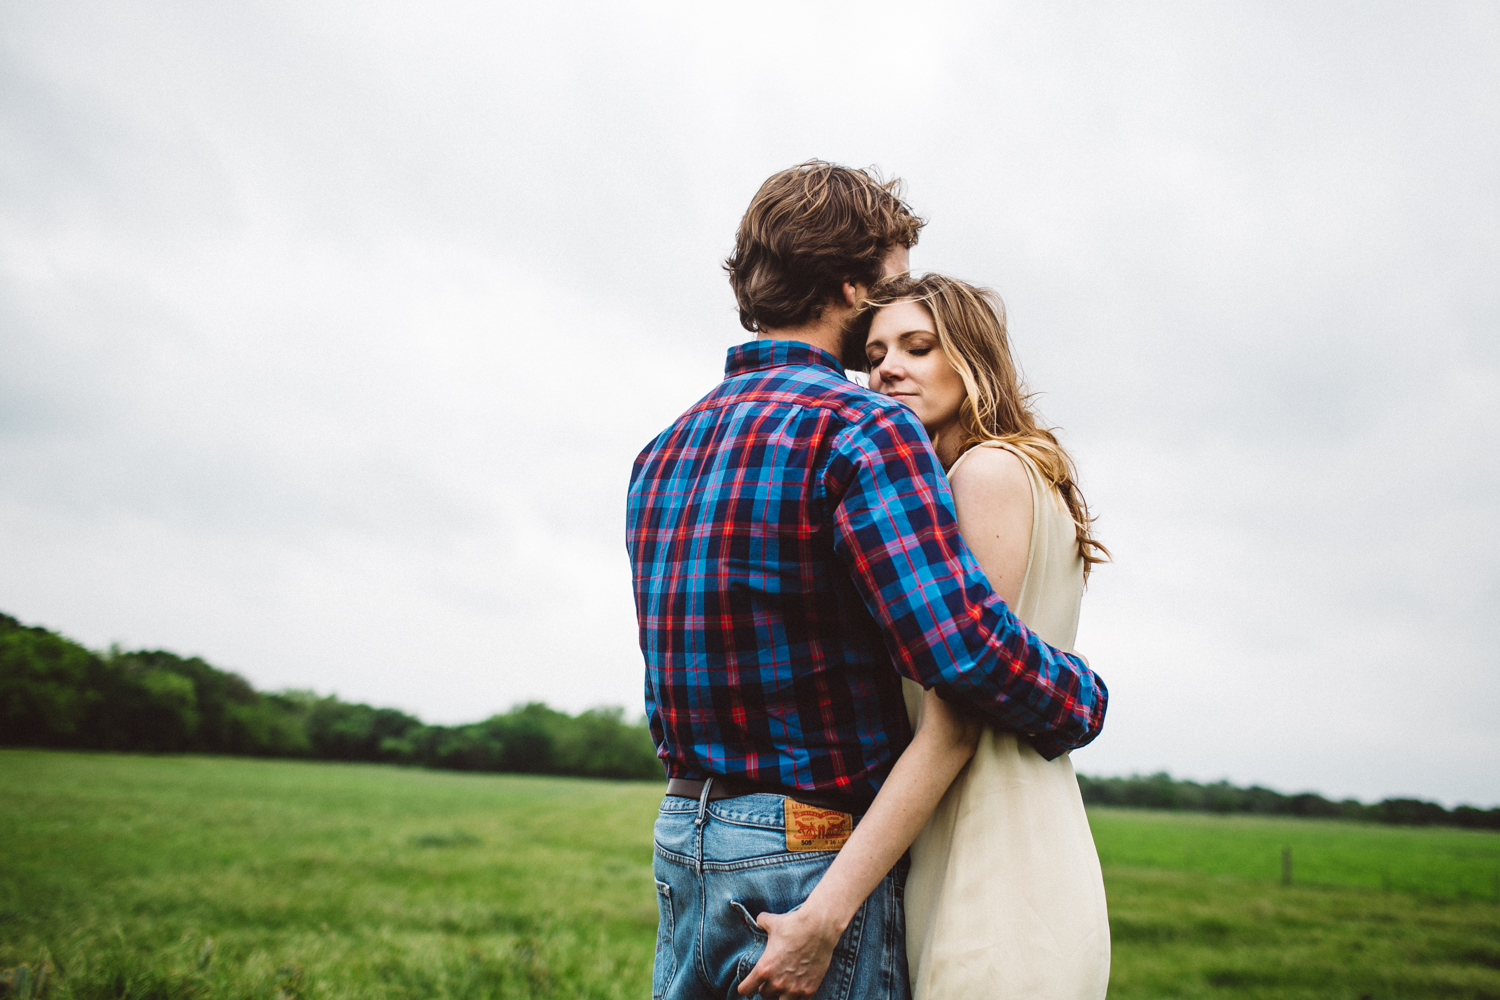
177	877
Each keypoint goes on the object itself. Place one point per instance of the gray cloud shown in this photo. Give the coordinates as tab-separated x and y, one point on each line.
330	332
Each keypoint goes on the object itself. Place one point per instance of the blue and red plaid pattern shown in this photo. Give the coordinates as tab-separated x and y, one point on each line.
794	545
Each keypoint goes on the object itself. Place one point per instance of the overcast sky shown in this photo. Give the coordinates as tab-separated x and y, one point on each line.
328	333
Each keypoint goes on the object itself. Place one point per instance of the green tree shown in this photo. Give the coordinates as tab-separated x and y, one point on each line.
44	685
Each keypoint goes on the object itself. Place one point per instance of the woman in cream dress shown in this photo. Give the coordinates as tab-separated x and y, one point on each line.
1004	898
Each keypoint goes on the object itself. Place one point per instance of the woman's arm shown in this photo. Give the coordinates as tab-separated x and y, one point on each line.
993	496
800	944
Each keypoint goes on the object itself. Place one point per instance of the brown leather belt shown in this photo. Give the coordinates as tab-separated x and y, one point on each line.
729	787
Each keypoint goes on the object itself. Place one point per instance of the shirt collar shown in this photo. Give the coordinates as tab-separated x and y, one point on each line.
777	353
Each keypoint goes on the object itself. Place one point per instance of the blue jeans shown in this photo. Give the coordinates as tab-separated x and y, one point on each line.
718	865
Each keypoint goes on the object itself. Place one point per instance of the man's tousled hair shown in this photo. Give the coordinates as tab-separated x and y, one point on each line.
808	230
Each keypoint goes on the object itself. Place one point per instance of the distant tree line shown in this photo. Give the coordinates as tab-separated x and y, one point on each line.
56	693
1161	791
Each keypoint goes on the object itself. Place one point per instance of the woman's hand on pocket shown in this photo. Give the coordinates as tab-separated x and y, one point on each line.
799	946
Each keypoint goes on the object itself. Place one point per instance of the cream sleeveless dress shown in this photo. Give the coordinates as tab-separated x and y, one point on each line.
1005	898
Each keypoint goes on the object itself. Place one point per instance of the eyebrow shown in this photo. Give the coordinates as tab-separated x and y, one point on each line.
918	332
904	334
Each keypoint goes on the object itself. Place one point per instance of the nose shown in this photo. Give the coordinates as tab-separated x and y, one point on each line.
889	370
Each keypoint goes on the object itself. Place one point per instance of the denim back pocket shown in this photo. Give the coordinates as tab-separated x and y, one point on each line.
666	955
748	918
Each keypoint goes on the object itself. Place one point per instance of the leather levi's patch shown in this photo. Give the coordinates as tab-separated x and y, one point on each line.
809	828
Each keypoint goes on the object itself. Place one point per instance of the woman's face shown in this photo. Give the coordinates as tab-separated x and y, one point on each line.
907	363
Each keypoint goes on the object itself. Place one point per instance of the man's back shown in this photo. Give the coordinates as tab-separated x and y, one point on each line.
792	541
762	659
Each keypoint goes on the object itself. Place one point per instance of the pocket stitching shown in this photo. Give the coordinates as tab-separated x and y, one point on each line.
846	952
666	932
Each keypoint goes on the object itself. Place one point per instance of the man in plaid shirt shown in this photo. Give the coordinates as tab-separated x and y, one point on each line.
795	552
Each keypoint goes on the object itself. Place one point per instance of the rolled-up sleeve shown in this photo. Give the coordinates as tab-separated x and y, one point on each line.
896	530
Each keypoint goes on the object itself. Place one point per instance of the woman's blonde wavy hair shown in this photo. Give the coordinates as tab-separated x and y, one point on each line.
970	325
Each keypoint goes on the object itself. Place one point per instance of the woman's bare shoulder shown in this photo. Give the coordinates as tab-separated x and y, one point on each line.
992	495
991	474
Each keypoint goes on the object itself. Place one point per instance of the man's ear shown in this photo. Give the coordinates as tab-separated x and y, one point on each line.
851	294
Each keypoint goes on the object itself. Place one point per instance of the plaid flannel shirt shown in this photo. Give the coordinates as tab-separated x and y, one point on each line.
794	545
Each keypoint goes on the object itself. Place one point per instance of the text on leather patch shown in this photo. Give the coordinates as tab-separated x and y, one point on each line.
809	828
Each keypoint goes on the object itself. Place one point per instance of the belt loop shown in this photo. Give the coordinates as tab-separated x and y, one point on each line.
708	784
698	822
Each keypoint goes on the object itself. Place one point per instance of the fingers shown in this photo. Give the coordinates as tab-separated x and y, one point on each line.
763	979
793	963
771	985
761	974
759	982
753	982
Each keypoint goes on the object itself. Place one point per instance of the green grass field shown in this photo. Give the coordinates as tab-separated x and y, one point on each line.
320	880
1433	862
